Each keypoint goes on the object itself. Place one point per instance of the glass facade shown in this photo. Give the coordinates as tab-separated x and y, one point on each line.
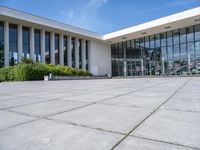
80	54
13	46
37	39
26	42
57	51
174	52
73	52
47	48
1	44
65	51
87	55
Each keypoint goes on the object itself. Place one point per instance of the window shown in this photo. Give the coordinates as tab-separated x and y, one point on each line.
37	39
190	34
87	54
183	35
80	53
47	48
26	42
65	51
163	37
183	51
170	53
73	52
13	49
152	43
1	44
57	50
197	49
157	38
169	38
176	34
191	50
197	33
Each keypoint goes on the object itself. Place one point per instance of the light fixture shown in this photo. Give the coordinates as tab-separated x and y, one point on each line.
143	33
196	20
124	38
168	27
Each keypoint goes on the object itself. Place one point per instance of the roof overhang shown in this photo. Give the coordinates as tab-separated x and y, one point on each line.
179	20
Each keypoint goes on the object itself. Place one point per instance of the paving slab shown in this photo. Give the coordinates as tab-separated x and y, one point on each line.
50	135
44	109
183	104
90	97
172	126
133	143
113	118
15	102
136	101
9	119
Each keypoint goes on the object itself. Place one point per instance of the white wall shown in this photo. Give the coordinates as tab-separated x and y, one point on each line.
100	58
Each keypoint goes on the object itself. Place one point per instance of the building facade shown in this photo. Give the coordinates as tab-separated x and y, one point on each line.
166	46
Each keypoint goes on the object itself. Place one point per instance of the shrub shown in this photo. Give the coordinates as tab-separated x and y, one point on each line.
7	73
28	70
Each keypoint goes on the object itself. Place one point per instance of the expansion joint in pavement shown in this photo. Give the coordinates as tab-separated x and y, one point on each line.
150	114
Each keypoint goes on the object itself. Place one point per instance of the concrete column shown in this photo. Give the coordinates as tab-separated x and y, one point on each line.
77	53
69	50
83	54
61	48
42	46
20	48
32	43
52	48
6	43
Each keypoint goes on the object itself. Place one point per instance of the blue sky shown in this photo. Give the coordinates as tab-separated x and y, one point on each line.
101	16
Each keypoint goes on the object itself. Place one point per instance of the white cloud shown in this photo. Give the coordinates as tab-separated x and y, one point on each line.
97	3
68	14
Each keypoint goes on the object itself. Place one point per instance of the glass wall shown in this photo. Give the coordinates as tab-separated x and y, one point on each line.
57	51
87	55
37	56
80	54
65	51
26	42
73	52
174	52
47	48
1	44
13	46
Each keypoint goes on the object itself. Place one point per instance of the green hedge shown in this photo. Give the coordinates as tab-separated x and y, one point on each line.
27	71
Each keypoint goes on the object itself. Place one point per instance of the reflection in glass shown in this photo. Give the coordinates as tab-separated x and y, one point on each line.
13	45
1	44
47	48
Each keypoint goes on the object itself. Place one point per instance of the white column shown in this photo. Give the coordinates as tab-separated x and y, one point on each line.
52	48
6	43
20	48
43	46
83	54
61	48
69	50
32	43
77	53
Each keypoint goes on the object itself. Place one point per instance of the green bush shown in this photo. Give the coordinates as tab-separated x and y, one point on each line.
7	73
28	70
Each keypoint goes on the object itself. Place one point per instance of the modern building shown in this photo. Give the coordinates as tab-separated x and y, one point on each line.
166	46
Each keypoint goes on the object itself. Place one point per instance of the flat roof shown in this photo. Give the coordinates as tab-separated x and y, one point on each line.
175	21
